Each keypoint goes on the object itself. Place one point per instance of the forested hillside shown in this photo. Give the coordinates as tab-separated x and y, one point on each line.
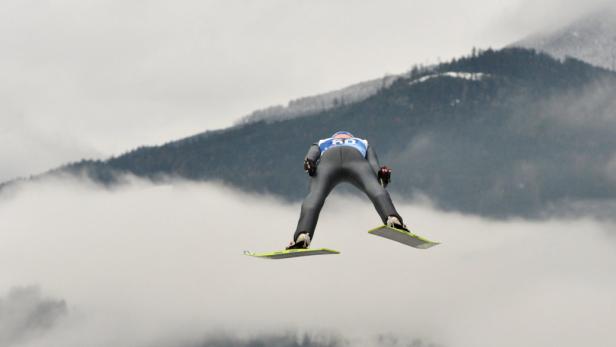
498	133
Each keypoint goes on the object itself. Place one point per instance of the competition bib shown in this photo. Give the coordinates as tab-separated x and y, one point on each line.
359	144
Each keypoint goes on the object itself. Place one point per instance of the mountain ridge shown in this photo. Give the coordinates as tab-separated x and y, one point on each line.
499	145
591	38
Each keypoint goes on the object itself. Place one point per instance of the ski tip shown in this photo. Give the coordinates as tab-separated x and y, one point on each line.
406	237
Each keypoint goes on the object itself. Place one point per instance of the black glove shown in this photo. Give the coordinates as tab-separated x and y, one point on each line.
310	166
384	175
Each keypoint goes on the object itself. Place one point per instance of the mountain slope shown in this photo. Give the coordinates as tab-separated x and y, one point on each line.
322	102
591	39
503	133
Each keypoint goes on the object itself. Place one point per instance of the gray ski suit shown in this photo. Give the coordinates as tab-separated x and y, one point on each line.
357	165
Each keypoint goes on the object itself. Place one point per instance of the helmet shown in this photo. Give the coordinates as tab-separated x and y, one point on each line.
344	134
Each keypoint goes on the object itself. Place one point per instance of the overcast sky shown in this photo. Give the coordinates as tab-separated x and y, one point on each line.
96	78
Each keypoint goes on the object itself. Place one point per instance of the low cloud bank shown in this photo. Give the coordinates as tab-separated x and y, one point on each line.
291	339
146	265
25	314
282	340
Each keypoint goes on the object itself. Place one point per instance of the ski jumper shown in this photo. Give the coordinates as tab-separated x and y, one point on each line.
342	160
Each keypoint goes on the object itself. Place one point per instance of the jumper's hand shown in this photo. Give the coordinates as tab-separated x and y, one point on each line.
384	175
310	166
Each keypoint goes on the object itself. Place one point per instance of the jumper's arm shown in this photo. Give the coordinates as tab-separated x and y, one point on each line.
373	160
314	153
310	162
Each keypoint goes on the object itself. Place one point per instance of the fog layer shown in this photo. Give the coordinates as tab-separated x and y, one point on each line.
163	266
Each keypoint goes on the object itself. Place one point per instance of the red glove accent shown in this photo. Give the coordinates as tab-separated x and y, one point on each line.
310	166
384	175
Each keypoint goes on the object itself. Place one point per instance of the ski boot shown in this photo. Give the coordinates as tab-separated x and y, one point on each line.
302	242
394	222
